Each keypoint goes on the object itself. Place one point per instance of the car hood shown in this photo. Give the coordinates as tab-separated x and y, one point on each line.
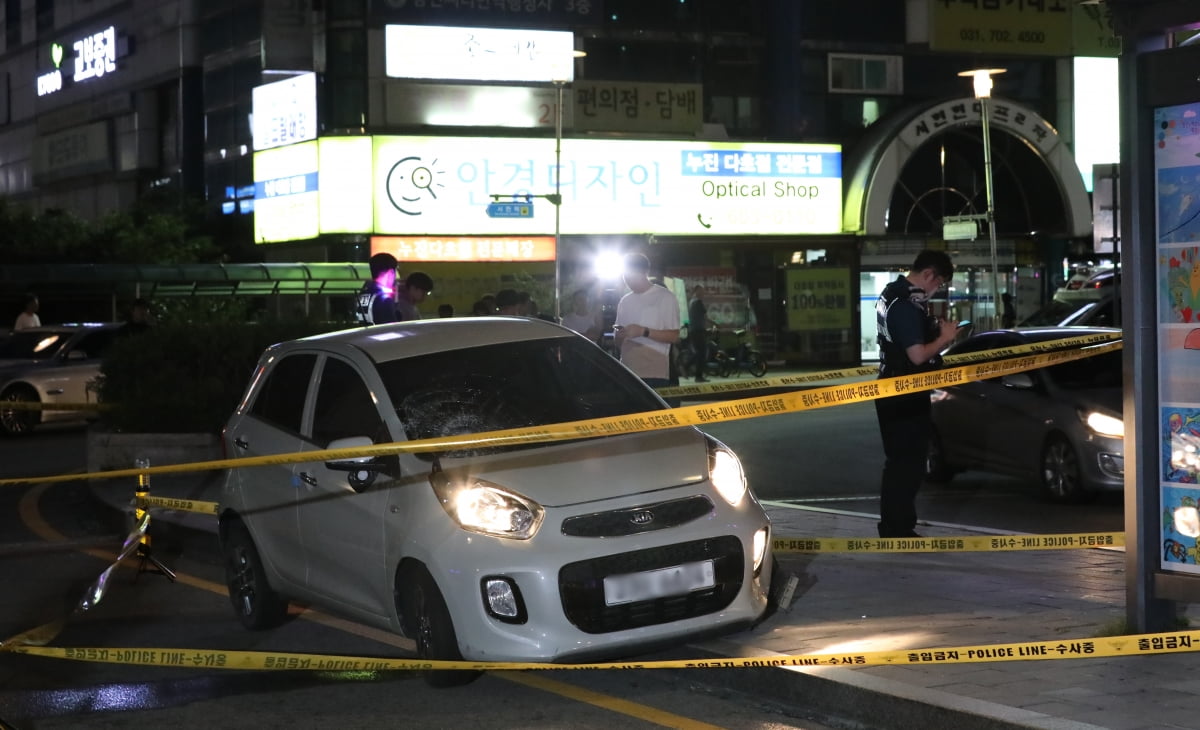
594	469
1105	399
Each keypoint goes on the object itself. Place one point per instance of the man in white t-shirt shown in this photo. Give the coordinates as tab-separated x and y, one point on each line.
647	324
28	316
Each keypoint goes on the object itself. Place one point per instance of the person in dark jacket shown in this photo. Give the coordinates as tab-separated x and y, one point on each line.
910	342
376	301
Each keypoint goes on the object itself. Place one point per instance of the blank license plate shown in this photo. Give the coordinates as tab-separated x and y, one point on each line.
676	580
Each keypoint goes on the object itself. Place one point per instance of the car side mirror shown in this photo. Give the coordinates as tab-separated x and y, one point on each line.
1020	381
362	464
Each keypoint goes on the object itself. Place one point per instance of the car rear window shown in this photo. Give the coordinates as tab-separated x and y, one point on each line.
510	385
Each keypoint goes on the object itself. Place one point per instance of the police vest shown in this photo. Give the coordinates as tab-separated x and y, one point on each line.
893	360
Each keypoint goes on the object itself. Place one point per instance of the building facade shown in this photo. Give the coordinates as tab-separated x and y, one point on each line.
162	93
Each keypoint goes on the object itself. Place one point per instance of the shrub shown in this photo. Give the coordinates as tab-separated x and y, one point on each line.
187	378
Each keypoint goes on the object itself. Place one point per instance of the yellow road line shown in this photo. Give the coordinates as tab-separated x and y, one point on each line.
31	516
613	704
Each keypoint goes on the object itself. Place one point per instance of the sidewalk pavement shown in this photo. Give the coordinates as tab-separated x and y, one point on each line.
894	601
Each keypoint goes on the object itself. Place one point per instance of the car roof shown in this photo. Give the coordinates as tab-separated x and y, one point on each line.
1042	334
420	337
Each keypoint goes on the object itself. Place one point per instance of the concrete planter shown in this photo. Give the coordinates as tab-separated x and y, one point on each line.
107	450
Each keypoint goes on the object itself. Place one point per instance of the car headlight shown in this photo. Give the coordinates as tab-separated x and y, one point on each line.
480	506
725	472
1103	424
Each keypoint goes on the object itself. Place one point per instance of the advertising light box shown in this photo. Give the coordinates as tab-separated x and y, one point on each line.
284	112
478	54
286	193
442	185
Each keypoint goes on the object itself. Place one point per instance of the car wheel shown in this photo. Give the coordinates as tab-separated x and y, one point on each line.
256	604
18	421
936	468
1062	477
758	366
724	365
427	622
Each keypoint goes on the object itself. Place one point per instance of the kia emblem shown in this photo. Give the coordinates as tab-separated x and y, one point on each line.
641	517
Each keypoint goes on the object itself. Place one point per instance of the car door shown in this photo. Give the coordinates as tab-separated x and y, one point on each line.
959	411
76	367
342	513
268	493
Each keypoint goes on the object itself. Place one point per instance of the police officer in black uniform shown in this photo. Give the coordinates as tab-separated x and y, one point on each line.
910	342
376	301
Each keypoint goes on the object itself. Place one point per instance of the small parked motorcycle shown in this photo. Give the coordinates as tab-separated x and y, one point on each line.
743	357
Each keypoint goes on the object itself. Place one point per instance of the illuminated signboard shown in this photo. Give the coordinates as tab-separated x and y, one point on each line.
95	56
428	185
285	193
465	248
285	112
438	187
478	54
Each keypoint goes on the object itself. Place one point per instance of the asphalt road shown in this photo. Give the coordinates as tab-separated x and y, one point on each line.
54	542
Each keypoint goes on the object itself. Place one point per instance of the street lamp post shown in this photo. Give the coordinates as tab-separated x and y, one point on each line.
983	92
558	125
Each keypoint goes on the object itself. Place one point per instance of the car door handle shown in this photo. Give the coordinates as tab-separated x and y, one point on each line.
308	479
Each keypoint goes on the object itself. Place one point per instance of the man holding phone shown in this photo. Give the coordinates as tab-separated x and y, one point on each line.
910	341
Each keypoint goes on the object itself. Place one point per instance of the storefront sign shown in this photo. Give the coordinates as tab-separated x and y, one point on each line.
465	248
80	150
284	112
1017	119
1038	27
430	185
627	106
286	201
95	55
478	54
819	299
473	105
441	186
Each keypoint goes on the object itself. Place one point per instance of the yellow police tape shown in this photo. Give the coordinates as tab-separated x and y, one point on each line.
1113	646
697	415
947	544
950	544
179	505
804	379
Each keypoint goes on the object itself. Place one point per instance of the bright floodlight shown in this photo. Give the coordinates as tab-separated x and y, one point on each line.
608	265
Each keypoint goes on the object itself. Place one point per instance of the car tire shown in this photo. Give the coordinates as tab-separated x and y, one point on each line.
427	622
758	366
937	470
18	421
257	605
1061	473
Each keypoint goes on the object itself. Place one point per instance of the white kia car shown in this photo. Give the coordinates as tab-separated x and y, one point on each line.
576	550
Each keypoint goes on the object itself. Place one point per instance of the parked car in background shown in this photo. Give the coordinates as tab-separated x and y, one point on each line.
1100	312
1088	286
49	365
1059	425
581	549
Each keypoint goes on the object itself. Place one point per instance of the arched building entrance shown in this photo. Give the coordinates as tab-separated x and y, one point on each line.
917	167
